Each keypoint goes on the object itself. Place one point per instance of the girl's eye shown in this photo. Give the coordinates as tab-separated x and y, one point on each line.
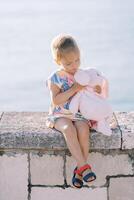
71	63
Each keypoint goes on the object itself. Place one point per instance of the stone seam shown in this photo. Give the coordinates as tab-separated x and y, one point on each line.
1	116
29	177
115	176
86	186
119	129
64	169
131	157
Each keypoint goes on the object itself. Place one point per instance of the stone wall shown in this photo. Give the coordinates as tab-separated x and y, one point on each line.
35	163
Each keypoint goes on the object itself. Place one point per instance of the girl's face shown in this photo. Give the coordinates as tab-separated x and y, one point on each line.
70	62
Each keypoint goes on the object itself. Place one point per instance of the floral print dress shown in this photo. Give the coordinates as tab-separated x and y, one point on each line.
64	81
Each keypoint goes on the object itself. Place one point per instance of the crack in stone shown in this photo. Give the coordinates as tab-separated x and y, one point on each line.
117	176
131	157
119	130
29	177
64	169
1	116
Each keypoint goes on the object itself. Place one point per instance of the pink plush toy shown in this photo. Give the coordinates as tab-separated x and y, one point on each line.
93	106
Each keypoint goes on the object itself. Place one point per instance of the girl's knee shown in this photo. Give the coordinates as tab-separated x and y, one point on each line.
69	128
82	126
64	125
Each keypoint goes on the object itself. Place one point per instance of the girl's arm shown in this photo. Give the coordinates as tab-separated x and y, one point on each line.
58	97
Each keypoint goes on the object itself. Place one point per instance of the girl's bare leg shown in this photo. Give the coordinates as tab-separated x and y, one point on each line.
83	136
69	131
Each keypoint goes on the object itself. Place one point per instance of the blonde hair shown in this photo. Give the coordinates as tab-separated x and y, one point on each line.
62	44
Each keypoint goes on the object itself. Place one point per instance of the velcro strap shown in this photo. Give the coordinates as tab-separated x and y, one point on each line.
83	168
93	122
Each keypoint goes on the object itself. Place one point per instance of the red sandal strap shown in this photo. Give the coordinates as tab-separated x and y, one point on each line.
83	168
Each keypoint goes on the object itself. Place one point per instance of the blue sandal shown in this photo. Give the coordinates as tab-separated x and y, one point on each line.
77	179
86	173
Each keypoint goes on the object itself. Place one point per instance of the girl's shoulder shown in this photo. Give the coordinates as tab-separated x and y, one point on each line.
54	78
57	73
57	77
60	74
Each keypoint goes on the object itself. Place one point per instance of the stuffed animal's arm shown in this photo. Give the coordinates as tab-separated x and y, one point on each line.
97	88
105	85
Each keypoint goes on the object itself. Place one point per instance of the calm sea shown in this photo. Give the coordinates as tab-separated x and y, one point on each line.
104	30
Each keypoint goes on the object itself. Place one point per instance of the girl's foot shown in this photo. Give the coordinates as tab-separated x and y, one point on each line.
86	173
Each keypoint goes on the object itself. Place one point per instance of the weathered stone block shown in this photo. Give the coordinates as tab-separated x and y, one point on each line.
13	177
28	130
47	170
121	188
69	193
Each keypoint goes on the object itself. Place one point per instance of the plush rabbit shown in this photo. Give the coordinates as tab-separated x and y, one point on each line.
93	106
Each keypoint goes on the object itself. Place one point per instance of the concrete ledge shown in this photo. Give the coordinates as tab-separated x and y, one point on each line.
35	161
126	122
27	130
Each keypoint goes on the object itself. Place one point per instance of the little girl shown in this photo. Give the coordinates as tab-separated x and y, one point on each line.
62	87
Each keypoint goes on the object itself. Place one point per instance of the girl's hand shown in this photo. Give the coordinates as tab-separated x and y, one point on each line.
97	88
77	87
